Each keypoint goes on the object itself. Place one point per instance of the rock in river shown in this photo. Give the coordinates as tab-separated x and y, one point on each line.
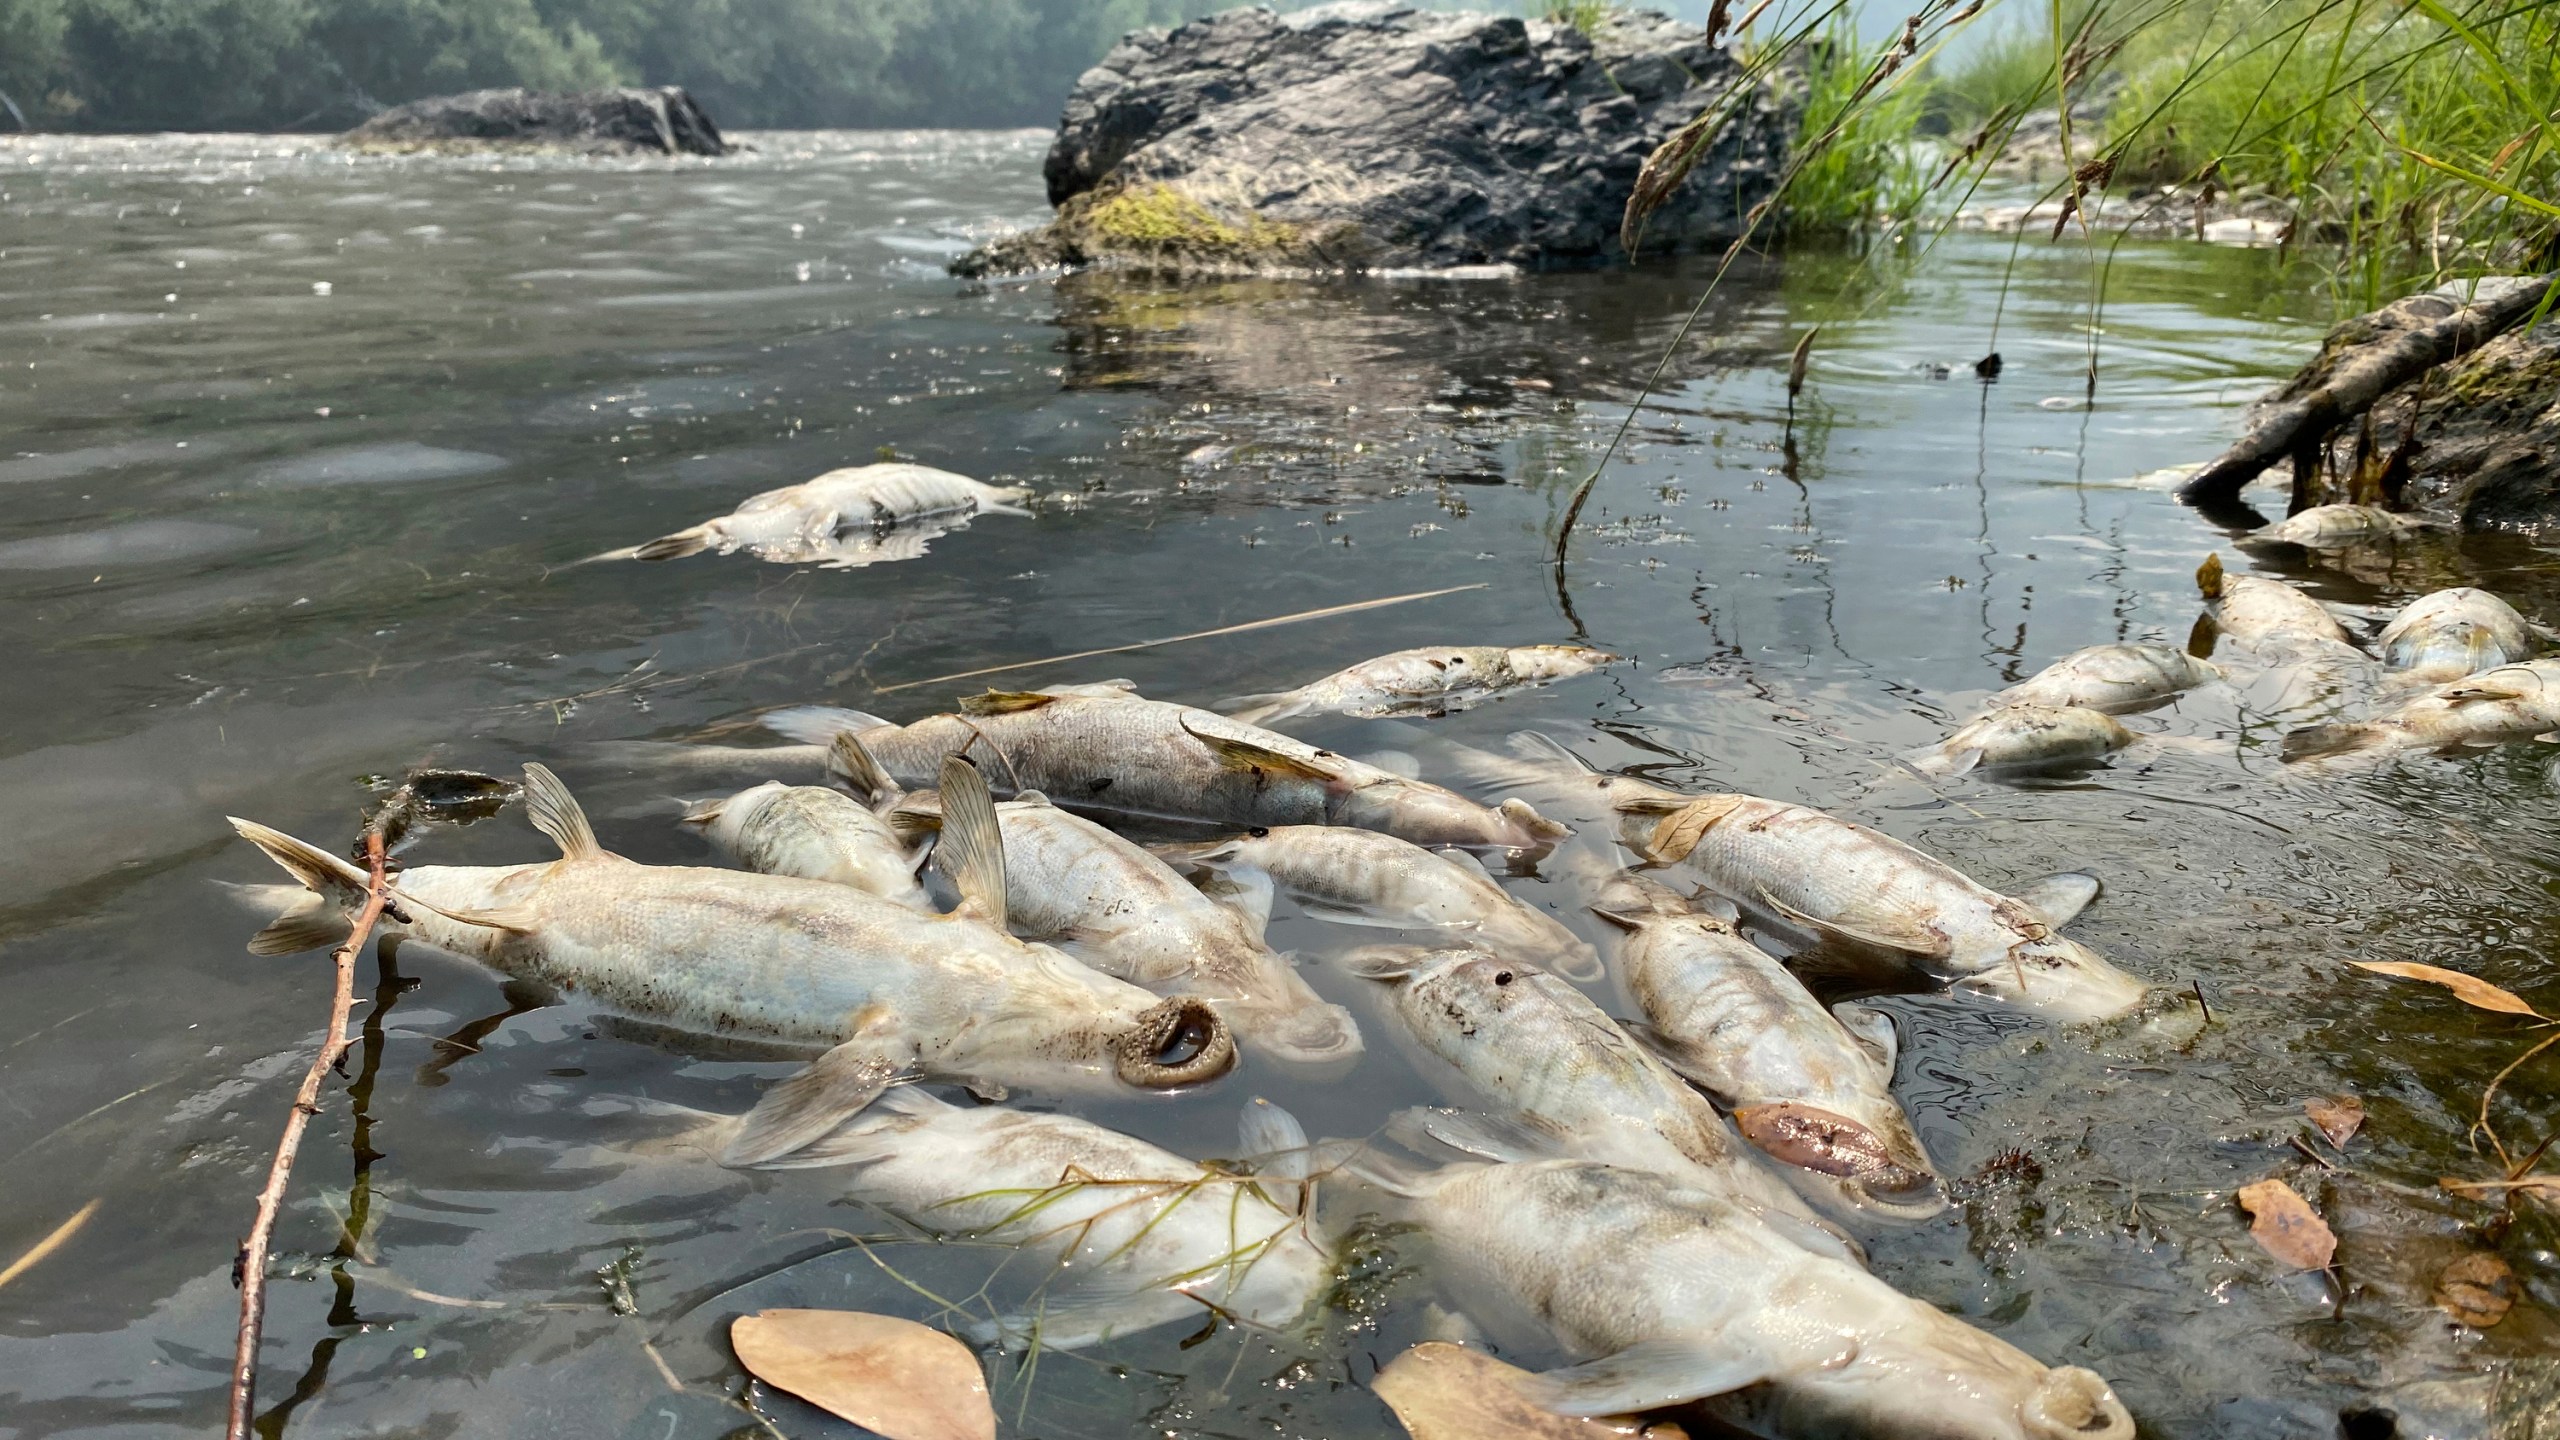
663	119
1366	136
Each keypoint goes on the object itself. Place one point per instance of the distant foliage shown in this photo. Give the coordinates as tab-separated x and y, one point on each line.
324	64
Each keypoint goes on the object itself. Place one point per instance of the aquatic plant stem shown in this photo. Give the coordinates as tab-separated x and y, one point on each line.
249	1269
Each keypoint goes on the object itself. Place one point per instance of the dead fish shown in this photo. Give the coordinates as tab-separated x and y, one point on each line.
1131	1236
2452	633
2336	527
1127	756
813	833
1422	682
2112	678
1361	877
2498	706
1553	1062
2271	616
769	957
2022	735
1842	881
806	521
1111	904
1667	1295
1811	1087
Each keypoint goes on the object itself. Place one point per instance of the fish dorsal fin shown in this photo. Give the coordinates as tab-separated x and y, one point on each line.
1930	944
1873	1030
1240	754
853	766
703	812
555	812
2059	898
1679	832
1649	1375
971	851
1005	702
911	821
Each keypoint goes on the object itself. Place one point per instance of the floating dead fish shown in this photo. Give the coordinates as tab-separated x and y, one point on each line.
1126	756
1811	1087
770	957
813	833
2452	633
2272	617
2498	706
1842	881
1668	1296
1360	877
1559	1067
2020	736
1133	1236
2336	527
1422	682
2112	678
1111	904
818	519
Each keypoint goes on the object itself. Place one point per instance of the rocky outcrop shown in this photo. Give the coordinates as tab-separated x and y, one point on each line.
664	120
1369	136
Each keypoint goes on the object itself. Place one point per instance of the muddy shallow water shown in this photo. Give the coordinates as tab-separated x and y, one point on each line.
296	451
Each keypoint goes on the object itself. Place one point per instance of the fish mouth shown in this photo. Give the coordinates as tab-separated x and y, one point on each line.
1815	1139
1179	1042
1532	837
2075	1404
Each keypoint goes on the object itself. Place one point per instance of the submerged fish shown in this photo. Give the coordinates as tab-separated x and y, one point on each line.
1812	1087
1667	1295
2335	527
1126	756
2271	616
1116	907
2495	707
1843	881
1129	1236
813	833
1422	682
1554	1063
2016	736
1360	877
2113	678
2451	633
811	520
770	957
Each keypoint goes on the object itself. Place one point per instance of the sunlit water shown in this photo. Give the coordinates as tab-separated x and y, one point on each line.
296	451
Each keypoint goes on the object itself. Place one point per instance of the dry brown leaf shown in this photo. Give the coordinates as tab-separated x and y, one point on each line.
1680	831
2469	989
2477	1289
1449	1392
2285	1225
2339	1119
894	1377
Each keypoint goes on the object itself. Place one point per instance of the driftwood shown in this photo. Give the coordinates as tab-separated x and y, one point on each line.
2298	426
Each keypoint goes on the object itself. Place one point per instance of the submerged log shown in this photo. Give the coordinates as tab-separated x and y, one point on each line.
2362	361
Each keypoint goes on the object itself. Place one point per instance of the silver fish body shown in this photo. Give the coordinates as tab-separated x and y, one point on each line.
1362	877
1430	680
1846	881
1797	1082
2273	618
2497	706
2336	527
2112	678
813	833
2452	633
1542	1054
2018	736
813	519
1669	1296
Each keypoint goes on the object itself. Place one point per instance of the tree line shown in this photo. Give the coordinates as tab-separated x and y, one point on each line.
326	64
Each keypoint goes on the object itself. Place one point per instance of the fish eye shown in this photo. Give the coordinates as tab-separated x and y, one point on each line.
1260	832
1501	977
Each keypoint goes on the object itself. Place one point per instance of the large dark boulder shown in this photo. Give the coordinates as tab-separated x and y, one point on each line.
663	119
1372	135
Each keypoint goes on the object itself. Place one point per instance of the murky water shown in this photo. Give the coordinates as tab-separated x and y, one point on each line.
295	451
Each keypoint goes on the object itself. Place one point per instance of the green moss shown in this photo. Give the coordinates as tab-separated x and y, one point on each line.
2522	369
1159	219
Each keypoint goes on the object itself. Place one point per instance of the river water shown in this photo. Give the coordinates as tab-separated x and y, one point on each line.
296	451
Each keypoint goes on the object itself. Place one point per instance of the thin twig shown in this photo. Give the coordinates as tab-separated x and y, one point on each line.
55	1241
249	1269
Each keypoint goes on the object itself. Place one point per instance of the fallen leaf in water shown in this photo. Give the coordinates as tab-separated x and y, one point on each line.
2339	1119
2469	989
894	1377
1449	1392
2286	1226
2478	1289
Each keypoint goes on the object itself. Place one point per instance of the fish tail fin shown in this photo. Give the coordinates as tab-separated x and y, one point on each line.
1255	709
313	921
1942	763
2321	742
971	850
669	547
803	1109
1003	500
301	919
817	724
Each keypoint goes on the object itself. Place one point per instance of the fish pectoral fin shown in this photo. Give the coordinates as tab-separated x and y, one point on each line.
515	919
556	813
1237	754
1674	1056
1273	1141
1629	920
851	764
1337	913
1385	962
1499	1138
2059	898
1077	1317
1872	1029
1244	892
971	850
1648	1376
805	1108
1004	702
1927	945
